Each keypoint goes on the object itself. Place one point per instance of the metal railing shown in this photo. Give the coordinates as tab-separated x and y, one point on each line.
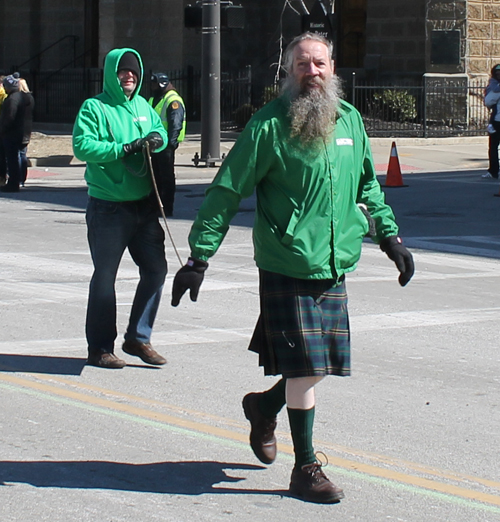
59	94
437	108
39	55
434	109
236	92
187	83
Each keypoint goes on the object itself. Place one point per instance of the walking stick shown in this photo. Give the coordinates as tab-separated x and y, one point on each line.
148	156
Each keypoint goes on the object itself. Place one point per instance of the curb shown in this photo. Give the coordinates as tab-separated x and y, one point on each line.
51	162
192	145
459	140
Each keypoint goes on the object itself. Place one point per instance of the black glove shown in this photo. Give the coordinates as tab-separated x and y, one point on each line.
393	247
134	147
155	141
189	277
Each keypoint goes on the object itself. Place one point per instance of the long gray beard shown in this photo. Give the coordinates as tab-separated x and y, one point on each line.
313	113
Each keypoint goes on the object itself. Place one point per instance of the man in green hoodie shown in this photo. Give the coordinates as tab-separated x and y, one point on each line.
110	134
307	156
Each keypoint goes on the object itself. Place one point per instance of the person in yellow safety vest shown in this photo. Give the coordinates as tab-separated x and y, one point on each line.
3	94
3	163
167	102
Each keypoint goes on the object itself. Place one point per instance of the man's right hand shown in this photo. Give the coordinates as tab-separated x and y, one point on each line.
133	147
189	277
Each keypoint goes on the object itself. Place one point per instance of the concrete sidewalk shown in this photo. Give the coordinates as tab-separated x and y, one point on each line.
416	155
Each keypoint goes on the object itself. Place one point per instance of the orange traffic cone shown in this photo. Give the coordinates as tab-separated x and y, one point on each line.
394	177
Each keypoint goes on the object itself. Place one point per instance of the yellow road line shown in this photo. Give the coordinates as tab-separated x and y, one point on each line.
125	408
134	398
200	427
395	462
391	461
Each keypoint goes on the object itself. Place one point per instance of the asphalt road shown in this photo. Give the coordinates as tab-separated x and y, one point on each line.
413	435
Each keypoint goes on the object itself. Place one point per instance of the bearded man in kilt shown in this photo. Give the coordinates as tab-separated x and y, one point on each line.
307	156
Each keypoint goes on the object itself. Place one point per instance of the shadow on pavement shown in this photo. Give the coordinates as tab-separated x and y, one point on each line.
41	364
435	208
448	212
55	160
180	478
52	365
188	200
75	197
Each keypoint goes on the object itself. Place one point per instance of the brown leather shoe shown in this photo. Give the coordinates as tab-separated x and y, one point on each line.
144	351
106	360
309	483
262	439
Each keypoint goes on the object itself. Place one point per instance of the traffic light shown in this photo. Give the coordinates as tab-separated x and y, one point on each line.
231	16
192	16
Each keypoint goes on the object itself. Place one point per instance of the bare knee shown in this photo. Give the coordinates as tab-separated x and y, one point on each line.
300	392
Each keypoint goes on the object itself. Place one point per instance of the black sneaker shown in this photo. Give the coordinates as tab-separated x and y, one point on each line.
310	484
262	439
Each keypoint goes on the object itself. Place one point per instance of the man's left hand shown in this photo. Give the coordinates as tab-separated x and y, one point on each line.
155	141
393	247
189	277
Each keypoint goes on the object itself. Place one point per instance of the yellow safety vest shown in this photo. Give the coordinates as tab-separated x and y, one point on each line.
170	98
3	95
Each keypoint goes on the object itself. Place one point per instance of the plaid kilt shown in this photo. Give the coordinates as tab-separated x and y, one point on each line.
303	327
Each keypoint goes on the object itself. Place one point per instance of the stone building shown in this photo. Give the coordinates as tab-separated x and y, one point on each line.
482	34
389	40
384	37
414	37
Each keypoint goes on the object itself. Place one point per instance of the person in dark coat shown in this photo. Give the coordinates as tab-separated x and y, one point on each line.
169	105
12	130
28	126
3	163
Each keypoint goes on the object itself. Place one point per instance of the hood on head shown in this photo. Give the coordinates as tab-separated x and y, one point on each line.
112	85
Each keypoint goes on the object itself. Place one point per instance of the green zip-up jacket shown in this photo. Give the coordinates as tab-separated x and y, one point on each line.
103	125
307	224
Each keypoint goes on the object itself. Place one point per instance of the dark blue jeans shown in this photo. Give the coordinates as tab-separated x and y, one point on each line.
11	150
494	142
3	161
23	162
163	167
111	228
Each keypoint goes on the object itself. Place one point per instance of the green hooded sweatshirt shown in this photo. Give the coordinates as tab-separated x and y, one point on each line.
107	122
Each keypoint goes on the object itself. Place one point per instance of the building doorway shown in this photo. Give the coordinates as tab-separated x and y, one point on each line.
351	36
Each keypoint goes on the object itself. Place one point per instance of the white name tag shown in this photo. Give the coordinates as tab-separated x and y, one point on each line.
141	118
344	141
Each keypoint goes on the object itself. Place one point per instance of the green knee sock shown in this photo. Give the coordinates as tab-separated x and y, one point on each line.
301	426
271	401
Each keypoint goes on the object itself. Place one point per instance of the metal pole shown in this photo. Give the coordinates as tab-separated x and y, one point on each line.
353	101
425	108
210	82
